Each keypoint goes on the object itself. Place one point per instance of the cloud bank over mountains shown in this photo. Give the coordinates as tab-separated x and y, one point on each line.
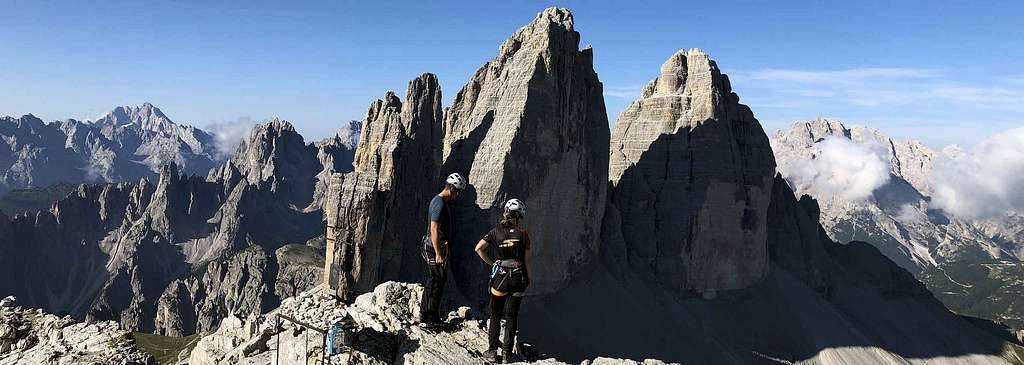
986	181
229	134
980	182
843	169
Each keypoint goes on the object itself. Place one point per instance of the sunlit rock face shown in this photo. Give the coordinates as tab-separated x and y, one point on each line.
691	174
377	213
531	124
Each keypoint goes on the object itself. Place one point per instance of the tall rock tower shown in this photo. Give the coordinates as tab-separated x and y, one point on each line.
376	214
691	173
531	124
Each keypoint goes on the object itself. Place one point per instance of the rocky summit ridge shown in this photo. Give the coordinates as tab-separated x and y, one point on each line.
382	322
31	336
530	123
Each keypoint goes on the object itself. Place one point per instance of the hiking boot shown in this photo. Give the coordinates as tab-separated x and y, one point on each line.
491	355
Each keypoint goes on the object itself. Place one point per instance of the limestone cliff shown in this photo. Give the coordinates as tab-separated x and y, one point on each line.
779	290
691	173
376	214
531	124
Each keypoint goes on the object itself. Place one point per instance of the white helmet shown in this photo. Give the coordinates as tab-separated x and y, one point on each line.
515	205
456	180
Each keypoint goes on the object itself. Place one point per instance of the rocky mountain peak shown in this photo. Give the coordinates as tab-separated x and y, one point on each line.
908	160
559	16
147	117
812	131
386	113
395	172
348	134
685	152
531	123
267	143
673	77
550	29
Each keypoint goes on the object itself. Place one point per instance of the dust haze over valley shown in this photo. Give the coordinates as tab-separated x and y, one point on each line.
680	230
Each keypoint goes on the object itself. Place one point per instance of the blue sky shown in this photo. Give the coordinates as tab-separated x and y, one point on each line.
942	72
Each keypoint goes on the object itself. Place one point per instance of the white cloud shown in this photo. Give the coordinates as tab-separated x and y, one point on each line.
909	214
983	182
849	76
627	92
229	134
876	87
842	169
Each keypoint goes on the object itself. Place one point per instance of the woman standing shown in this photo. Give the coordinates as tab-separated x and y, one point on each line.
509	276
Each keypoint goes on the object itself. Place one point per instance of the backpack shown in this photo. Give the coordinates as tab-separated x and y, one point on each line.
508	276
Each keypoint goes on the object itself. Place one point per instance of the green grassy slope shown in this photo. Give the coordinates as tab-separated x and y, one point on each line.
164	348
991	289
34	199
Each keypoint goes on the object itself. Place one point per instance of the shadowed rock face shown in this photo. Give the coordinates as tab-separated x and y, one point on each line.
110	252
531	124
798	297
691	174
249	282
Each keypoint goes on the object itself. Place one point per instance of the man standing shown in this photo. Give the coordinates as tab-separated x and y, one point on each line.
435	249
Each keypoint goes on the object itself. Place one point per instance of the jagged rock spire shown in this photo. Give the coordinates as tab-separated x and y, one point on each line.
531	124
375	213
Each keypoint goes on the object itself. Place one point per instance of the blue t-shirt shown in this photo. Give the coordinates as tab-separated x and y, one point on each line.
440	213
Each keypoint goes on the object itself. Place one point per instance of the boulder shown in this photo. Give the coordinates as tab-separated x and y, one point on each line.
31	336
383	320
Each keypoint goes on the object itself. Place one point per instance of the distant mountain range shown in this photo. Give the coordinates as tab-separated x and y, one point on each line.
110	249
876	189
125	144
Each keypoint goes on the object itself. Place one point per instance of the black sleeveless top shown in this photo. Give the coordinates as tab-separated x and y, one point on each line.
510	242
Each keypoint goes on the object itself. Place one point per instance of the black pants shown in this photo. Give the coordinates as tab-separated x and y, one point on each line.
506	307
430	304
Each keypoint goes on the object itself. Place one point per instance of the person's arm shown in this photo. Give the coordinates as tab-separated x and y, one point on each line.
481	250
435	239
526	255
